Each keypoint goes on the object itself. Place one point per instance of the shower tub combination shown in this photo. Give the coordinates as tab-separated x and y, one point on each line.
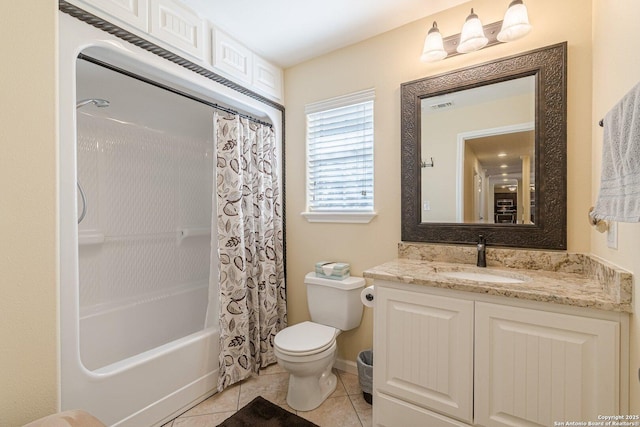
144	181
139	336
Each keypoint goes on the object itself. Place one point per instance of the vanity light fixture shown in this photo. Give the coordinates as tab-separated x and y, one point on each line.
475	36
502	154
504	166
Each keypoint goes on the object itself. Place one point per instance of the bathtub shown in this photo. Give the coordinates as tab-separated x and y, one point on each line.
107	338
155	384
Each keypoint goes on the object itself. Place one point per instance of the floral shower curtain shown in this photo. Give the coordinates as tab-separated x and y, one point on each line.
250	246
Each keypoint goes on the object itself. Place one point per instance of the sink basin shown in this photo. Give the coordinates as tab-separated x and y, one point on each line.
481	277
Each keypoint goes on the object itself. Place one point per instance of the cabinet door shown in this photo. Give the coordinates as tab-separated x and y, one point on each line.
534	367
178	26
231	57
133	12
423	350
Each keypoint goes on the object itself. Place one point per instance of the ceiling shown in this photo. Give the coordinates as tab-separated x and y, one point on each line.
288	32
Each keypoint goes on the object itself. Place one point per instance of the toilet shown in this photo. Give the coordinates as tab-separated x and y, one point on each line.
307	350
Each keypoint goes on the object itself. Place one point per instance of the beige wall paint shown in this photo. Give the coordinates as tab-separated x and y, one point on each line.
616	69
28	276
384	62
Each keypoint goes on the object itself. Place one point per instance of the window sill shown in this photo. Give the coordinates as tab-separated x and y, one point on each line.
340	217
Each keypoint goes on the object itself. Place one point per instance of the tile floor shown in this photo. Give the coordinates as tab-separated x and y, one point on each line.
344	408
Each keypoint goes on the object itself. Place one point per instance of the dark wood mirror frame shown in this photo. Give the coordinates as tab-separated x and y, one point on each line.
549	66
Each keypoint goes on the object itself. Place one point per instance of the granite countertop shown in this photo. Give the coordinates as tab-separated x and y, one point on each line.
559	287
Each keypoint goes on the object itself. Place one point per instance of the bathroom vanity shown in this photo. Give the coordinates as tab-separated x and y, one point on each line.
458	345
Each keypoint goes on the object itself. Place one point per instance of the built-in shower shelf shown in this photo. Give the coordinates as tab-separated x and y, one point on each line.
90	237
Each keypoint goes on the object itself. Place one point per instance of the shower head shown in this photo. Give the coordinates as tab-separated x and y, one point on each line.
101	103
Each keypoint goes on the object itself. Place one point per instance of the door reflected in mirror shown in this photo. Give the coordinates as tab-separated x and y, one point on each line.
478	154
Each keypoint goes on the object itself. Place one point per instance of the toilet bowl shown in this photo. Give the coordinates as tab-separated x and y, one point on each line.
308	350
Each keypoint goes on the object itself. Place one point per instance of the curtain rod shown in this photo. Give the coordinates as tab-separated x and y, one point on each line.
170	89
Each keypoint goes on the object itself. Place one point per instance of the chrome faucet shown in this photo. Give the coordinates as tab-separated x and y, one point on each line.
482	251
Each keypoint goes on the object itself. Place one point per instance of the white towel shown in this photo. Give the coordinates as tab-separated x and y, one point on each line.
619	197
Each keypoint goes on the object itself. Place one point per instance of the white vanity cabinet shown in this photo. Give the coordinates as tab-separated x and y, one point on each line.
450	358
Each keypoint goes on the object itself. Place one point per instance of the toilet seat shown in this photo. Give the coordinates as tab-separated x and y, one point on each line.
305	339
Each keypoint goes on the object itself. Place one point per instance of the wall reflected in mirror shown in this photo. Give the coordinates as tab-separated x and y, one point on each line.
478	154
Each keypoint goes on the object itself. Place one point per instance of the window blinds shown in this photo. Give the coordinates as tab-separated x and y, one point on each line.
340	158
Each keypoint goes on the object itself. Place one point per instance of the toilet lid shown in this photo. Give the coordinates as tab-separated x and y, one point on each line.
305	337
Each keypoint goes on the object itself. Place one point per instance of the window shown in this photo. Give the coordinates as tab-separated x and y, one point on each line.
340	159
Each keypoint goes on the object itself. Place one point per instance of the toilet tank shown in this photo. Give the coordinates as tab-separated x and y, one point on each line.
335	302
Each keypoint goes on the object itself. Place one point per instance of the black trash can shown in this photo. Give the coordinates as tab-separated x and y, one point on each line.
365	374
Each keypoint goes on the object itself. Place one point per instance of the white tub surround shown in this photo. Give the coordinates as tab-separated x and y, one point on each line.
163	376
541	346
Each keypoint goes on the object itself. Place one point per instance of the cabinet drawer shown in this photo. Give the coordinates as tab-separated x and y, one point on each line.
392	412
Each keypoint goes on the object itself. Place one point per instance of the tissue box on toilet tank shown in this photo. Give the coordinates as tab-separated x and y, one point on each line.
333	270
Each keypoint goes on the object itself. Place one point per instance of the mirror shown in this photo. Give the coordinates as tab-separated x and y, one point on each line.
484	152
492	128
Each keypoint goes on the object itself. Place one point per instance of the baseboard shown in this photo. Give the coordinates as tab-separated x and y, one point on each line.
348	366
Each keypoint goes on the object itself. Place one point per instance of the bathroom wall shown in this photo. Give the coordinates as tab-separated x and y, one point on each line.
28	120
616	69
384	62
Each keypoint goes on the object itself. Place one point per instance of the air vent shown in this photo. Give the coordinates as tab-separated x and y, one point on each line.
442	105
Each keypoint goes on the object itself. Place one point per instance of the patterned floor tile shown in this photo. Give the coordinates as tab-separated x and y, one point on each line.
219	402
333	410
272	387
207	420
345	404
351	383
363	409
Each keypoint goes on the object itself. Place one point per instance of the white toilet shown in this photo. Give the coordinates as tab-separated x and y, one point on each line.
307	350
